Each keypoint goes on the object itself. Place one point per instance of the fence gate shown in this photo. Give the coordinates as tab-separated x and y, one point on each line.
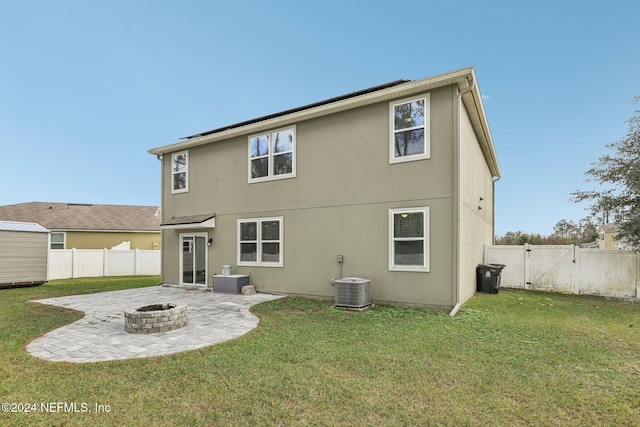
550	267
567	268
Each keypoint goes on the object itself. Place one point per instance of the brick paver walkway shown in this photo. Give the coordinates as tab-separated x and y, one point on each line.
100	335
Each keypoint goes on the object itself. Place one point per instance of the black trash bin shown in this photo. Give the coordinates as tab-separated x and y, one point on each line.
488	278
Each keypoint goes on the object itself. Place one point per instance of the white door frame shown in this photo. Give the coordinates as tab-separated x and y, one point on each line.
181	236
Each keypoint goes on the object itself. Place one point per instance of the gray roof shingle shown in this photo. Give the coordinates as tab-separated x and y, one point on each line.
71	216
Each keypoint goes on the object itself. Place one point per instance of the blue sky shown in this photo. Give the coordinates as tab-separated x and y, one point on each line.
87	87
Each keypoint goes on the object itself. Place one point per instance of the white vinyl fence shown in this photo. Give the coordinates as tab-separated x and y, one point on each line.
72	263
567	268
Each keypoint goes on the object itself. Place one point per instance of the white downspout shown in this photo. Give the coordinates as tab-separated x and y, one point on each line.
455	309
472	84
493	210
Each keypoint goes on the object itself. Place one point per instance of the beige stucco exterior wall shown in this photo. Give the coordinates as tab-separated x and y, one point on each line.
475	207
101	240
609	241
338	204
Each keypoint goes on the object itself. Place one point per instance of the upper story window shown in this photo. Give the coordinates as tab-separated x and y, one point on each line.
180	172
409	124
272	155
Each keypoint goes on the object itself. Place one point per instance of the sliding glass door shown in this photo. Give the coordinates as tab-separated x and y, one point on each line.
193	265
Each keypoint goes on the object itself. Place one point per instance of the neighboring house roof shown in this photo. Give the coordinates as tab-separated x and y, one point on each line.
611	227
589	245
22	226
465	79
84	217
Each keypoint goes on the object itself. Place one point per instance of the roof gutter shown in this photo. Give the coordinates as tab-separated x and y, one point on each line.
470	88
472	99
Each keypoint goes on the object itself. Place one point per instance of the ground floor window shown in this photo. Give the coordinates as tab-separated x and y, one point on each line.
260	241
409	239
57	240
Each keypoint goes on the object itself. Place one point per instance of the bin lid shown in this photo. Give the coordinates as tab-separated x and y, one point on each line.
353	280
492	266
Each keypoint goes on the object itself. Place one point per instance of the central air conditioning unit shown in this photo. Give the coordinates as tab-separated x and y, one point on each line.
352	292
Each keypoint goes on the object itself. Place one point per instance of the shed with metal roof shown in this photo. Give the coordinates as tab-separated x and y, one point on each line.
24	254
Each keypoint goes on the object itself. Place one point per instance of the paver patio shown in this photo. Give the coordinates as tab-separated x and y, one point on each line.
100	335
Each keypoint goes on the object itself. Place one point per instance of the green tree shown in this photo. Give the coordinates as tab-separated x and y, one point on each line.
564	229
588	230
565	233
619	172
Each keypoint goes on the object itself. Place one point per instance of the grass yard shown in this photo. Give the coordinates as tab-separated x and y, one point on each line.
512	359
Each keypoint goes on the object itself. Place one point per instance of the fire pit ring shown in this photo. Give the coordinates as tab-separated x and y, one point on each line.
155	318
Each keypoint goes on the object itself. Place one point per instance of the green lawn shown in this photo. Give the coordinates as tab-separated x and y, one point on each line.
516	358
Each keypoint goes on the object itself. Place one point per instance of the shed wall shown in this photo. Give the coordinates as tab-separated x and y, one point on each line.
23	257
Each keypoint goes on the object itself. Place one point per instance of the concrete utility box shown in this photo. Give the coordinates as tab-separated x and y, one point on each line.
231	284
24	254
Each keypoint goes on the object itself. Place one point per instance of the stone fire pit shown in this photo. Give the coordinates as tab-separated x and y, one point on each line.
155	318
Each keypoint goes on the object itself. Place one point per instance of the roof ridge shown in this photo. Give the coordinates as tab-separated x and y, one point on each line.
302	108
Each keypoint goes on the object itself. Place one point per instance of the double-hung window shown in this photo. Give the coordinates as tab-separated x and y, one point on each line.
409	125
260	242
57	240
272	155
180	172
409	239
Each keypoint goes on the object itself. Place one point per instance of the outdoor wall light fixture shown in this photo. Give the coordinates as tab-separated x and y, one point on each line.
209	242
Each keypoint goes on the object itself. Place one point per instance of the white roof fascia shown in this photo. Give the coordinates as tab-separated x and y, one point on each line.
462	77
97	230
407	89
473	102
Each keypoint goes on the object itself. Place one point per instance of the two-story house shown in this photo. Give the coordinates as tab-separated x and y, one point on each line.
397	180
608	238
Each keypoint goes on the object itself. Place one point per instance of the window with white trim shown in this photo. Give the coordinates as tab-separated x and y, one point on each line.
180	172
272	155
409	125
409	239
57	240
260	242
